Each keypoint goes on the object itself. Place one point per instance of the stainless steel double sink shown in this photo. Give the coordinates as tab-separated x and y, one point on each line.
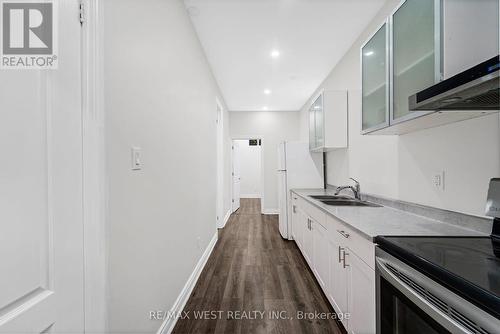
343	201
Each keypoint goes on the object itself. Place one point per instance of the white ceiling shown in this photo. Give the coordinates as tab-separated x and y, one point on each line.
311	35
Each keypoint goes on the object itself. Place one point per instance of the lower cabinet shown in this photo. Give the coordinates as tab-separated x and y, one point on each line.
337	292
296	223
307	240
361	296
321	261
338	258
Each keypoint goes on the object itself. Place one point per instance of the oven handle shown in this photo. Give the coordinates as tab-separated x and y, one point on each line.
421	303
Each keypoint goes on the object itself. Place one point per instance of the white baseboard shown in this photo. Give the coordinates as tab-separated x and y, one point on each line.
226	218
270	211
250	196
169	323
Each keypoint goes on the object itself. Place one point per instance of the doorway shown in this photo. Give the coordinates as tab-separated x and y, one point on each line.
220	164
248	180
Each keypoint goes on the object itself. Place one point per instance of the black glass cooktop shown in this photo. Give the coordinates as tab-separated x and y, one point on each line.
469	266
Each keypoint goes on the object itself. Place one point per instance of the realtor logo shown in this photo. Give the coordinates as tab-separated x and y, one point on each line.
28	35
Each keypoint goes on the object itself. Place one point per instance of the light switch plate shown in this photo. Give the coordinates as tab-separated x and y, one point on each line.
136	158
438	180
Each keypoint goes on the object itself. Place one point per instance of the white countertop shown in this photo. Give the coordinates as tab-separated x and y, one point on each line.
384	221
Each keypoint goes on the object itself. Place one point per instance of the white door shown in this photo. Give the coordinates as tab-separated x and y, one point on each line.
236	176
41	238
220	165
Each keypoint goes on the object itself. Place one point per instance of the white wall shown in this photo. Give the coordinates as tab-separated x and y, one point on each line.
273	127
250	171
401	167
160	96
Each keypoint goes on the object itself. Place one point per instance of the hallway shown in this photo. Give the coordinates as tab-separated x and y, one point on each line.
257	283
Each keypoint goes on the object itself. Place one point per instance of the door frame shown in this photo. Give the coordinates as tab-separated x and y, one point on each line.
219	198
94	169
262	164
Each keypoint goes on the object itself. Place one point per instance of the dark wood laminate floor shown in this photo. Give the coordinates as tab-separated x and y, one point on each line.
253	271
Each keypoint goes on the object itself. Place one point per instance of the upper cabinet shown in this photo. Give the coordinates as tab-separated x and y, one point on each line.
420	44
416	61
312	130
317	131
375	81
328	121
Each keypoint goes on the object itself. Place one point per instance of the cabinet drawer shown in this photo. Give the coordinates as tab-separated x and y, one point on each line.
362	247
315	213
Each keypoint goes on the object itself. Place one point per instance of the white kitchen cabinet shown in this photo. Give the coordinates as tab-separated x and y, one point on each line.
375	81
421	43
361	295
295	218
416	56
300	222
313	144
342	261
328	121
337	292
471	30
307	241
321	261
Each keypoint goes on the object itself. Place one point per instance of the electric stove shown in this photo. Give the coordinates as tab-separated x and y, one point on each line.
440	284
468	266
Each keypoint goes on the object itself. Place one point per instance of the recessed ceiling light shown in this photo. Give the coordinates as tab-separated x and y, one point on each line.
267	91
264	108
369	53
275	54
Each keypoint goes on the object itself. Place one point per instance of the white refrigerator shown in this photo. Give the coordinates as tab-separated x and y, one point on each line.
297	168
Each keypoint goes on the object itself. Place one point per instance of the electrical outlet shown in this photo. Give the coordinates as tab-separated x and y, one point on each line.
438	180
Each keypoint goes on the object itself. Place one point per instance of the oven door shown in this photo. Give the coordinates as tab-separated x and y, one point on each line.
409	302
398	314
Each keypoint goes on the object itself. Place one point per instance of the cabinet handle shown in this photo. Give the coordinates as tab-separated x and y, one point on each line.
344	234
343	259
293	209
340	250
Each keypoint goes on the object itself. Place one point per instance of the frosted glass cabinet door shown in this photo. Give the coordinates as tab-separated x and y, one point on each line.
319	121
312	129
375	83
415	52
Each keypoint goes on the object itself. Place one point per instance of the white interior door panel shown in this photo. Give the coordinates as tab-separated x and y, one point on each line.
236	176
41	238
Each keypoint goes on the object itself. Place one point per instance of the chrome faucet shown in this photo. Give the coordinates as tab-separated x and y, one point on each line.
356	189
